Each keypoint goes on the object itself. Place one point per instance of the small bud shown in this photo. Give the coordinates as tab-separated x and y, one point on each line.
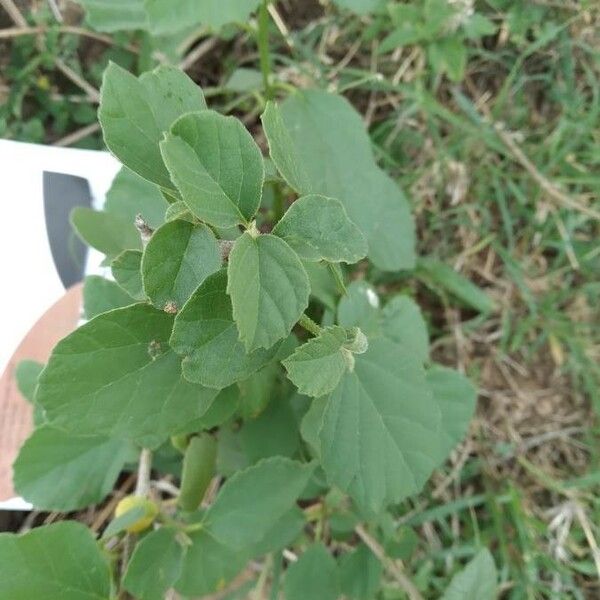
357	341
171	308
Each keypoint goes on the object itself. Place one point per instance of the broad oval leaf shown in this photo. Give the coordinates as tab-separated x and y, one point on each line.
106	232
477	581
380	434
361	307
318	228
60	471
127	271
155	565
269	289
101	295
136	112
316	367
177	259
117	376
207	337
314	576
216	166
320	146
56	562
252	499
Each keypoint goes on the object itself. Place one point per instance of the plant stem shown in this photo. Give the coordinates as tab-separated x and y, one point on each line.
308	324
143	478
394	569
263	47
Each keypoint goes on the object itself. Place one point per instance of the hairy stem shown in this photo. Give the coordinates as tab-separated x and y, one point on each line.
308	324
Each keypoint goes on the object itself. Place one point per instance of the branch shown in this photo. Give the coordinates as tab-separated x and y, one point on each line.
142	487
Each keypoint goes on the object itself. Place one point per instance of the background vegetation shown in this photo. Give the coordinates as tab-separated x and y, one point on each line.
488	115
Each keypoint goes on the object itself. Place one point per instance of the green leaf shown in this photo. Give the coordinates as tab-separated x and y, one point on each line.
131	195
120	524
283	532
380	433
155	565
208	565
403	323
251	500
177	259
107	232
449	55
136	112
318	228
360	574
59	471
437	273
477	581
126	269
217	167
273	433
117	376
207	337
211	13
256	391
269	289
221	410
456	397
316	367
26	375
101	295
319	144
361	7
56	562
115	15
314	576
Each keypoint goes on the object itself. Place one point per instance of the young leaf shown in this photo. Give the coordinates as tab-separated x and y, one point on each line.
477	581
155	565
269	289
316	367
136	112
251	500
177	259
210	13
217	166
101	295
360	574
318	228
126	269
86	467
131	195
315	139
456	397
115	15
107	232
54	562
207	337
380	434
117	376
314	576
